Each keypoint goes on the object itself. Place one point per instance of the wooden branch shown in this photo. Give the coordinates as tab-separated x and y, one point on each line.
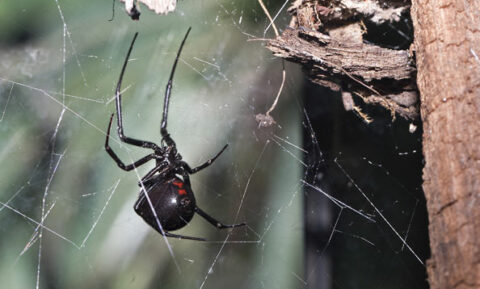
447	43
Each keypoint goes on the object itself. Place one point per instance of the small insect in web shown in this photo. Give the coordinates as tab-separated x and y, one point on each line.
166	201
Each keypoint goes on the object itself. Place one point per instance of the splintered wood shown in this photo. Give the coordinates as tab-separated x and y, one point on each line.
329	44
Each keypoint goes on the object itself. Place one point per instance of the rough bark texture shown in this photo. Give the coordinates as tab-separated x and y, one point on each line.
447	43
326	37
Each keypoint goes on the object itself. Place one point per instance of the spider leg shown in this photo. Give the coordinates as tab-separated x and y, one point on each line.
205	164
118	102
168	92
114	156
168	234
204	215
214	222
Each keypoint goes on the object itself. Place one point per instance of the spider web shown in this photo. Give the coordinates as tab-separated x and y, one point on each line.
66	216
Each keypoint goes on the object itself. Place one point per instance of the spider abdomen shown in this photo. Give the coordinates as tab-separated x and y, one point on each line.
172	200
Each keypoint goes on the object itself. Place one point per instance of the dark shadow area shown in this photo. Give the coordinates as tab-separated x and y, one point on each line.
375	169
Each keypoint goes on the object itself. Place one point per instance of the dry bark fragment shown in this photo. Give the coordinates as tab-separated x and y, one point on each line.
341	61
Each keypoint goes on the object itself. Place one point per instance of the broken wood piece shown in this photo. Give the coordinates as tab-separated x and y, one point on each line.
380	75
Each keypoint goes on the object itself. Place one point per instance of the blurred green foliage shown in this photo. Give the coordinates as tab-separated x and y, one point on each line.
59	64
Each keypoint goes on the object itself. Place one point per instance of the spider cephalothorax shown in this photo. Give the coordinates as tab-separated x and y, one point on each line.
166	201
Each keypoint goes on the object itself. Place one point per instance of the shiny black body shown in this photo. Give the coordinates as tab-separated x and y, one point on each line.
166	201
174	206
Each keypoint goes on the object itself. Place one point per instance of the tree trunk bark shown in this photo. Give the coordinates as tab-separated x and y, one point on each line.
447	44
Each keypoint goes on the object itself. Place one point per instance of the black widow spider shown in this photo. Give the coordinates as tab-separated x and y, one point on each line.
166	201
